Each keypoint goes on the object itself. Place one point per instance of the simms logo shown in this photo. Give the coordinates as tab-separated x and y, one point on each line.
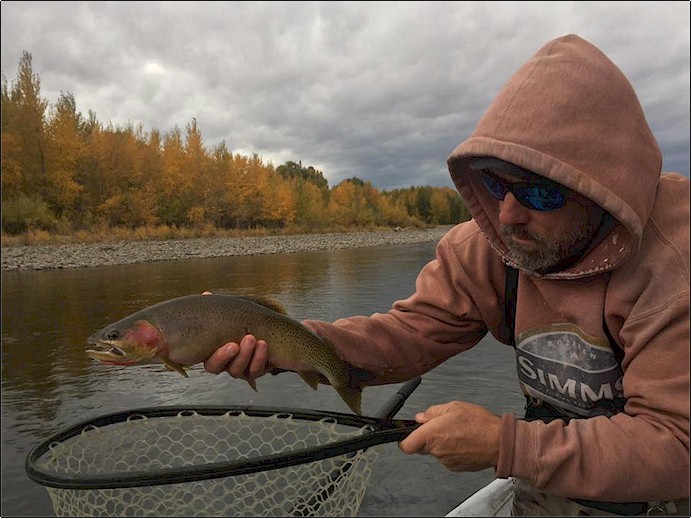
567	368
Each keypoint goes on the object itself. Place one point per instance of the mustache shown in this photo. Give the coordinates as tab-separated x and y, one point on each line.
507	231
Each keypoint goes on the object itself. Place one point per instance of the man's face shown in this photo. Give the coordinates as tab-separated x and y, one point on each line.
540	240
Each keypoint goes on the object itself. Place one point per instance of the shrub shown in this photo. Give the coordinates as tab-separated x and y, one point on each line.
23	213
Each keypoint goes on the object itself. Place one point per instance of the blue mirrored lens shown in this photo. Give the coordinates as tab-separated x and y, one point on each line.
541	198
538	197
496	187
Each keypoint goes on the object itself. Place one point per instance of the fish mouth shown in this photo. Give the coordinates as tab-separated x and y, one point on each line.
106	351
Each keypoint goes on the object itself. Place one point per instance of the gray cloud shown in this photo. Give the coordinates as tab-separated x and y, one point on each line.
379	90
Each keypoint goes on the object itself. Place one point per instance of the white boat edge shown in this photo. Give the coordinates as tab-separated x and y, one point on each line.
493	500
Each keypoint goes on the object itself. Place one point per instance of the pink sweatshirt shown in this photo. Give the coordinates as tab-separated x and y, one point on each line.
571	115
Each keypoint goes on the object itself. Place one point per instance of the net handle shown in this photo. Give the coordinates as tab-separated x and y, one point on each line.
384	431
392	406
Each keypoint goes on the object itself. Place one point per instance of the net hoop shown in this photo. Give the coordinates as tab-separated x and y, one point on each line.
378	431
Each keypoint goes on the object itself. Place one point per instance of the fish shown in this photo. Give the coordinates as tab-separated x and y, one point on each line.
186	330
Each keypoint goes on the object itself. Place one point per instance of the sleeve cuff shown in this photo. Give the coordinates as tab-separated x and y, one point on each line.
506	456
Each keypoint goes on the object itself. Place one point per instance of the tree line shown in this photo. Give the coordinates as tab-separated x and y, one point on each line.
63	172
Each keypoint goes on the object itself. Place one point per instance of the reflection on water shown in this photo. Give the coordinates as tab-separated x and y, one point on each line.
49	383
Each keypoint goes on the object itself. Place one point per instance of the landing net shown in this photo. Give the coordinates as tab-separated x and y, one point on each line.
138	444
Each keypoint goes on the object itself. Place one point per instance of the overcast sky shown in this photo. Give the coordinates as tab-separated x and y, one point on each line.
379	90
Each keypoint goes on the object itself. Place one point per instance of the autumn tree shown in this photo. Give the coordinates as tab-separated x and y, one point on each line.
176	187
309	203
310	193
196	168
354	202
394	212
64	149
11	147
59	167
23	128
295	171
219	173
24	182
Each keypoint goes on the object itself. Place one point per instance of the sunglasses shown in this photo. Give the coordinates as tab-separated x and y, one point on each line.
538	195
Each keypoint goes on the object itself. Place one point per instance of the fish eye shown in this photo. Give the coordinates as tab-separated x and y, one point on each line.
112	334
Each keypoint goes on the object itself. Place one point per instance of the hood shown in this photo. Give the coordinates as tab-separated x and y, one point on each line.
571	115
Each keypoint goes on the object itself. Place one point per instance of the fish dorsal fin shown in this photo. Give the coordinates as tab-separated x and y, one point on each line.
268	302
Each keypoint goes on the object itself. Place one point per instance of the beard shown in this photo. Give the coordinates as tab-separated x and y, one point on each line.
545	253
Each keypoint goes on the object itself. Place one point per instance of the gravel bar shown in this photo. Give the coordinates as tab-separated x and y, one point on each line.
41	257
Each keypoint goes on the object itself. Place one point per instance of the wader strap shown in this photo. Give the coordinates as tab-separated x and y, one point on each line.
510	309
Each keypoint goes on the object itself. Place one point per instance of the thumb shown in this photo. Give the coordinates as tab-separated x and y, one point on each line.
417	441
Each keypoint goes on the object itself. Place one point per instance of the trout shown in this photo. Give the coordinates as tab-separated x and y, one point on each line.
184	331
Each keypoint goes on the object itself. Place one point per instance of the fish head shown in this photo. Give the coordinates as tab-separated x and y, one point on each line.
126	343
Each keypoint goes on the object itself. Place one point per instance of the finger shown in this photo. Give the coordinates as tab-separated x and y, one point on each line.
258	363
422	417
240	363
415	443
431	412
217	361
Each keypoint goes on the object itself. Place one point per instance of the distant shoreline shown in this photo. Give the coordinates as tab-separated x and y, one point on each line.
45	257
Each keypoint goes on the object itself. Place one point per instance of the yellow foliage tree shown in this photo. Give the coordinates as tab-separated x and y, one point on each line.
23	119
309	203
59	163
63	154
439	207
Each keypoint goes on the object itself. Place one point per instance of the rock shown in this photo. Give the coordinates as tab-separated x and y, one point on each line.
125	252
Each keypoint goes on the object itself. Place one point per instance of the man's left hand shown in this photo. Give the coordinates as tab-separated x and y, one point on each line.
460	435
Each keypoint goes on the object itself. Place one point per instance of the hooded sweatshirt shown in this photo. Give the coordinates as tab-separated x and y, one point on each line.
568	114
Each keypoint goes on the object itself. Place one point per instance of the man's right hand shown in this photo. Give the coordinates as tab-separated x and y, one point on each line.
247	360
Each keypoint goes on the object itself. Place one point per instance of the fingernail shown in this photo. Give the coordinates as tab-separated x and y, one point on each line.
231	348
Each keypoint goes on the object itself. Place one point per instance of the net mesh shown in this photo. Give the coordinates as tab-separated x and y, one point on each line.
330	487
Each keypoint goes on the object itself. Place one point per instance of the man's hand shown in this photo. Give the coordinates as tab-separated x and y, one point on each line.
247	360
460	435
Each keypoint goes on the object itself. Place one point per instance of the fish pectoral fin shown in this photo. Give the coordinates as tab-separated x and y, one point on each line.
172	366
311	378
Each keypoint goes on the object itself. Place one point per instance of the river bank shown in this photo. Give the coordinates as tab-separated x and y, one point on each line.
41	257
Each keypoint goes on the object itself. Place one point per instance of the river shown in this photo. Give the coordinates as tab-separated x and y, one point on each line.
48	383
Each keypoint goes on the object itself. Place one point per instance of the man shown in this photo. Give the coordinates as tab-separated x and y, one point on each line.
578	256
